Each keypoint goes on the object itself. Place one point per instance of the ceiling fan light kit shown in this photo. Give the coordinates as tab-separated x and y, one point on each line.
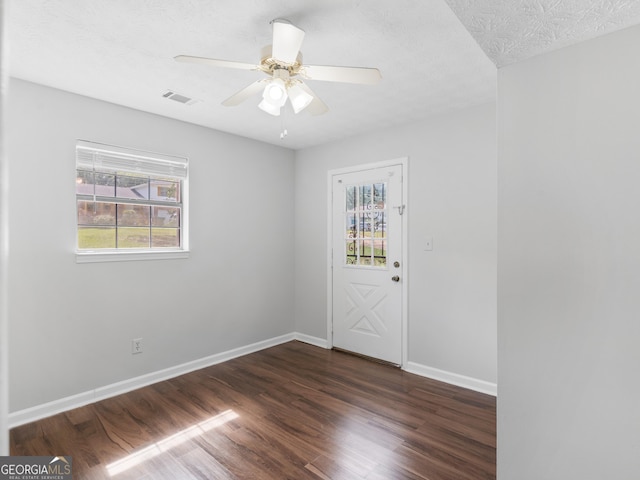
269	108
299	98
274	95
282	61
275	92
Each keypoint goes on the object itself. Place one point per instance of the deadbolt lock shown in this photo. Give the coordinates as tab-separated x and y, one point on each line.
396	264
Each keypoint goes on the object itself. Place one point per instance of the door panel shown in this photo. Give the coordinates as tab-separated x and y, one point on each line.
367	243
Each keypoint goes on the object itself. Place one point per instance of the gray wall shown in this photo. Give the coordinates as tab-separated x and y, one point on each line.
452	197
72	324
569	263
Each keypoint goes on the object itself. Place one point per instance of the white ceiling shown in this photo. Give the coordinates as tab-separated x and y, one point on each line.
510	31
432	60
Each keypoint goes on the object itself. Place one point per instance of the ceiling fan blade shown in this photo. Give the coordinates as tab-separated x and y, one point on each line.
367	76
317	106
239	97
214	62
287	40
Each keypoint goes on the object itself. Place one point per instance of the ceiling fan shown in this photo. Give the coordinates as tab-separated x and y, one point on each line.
282	62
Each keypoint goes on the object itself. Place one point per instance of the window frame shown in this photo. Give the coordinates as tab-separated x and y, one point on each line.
144	157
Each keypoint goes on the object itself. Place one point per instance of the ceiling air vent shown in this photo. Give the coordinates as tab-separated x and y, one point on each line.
171	95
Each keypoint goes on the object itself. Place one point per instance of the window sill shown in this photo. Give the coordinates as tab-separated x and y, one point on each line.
128	256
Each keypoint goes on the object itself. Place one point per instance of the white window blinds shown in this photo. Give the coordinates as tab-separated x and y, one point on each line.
96	156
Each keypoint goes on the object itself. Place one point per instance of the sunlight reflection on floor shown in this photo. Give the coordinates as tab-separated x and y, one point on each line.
168	443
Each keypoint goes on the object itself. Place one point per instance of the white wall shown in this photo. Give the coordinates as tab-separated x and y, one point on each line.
569	263
452	197
72	324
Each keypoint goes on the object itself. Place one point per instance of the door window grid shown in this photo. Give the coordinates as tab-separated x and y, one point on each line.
365	225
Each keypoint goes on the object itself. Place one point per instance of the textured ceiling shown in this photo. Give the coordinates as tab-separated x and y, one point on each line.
122	51
509	31
432	60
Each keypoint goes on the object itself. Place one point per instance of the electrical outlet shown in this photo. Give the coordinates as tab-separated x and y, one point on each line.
136	346
428	244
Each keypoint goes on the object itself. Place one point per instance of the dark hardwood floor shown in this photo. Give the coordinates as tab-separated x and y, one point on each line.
293	411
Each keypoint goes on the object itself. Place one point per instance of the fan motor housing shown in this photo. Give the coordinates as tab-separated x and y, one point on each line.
269	64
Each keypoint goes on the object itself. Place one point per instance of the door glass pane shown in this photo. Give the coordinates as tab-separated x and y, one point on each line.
352	251
365	252
379	196
365	223
381	226
379	253
351	195
351	230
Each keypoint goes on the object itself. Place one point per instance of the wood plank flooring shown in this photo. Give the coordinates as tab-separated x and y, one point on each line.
293	411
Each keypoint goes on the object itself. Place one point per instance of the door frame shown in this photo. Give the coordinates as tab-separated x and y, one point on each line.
404	163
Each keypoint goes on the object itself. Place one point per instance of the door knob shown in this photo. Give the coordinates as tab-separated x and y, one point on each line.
395	278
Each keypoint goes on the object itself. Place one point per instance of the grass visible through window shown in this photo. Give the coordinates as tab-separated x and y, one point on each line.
127	237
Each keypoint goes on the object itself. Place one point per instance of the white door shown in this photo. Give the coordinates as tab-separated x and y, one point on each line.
367	262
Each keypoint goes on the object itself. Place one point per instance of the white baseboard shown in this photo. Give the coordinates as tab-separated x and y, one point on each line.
318	342
74	401
422	370
453	378
81	399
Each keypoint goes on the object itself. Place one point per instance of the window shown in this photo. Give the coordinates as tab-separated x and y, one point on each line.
129	202
366	226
